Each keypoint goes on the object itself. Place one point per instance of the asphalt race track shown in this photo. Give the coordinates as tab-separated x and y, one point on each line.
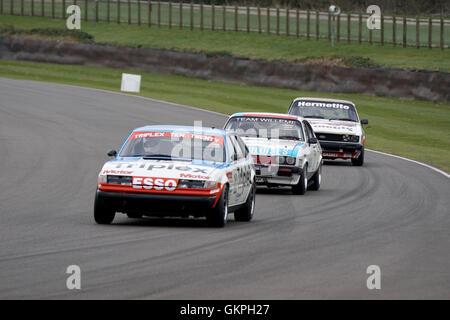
53	142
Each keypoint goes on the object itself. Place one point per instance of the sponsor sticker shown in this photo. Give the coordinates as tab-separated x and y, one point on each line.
283	120
154	183
333	105
111	171
337	155
194	176
204	137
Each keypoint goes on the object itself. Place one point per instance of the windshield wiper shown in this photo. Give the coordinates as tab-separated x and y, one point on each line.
317	117
152	156
342	119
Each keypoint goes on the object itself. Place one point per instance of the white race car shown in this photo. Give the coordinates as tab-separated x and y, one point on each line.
337	126
284	147
178	171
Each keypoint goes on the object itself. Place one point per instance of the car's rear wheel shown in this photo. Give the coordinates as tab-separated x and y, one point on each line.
316	179
217	216
102	214
358	162
246	212
301	186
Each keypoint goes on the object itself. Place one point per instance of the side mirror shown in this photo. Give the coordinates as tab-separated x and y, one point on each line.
364	121
312	140
235	157
112	153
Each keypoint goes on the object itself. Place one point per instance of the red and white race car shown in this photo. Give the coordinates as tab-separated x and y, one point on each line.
178	171
337	127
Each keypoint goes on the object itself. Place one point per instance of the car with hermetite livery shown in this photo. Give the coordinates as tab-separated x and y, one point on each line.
337	126
178	171
284	148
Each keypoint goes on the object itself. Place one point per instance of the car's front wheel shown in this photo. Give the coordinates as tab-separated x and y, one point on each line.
246	212
358	162
300	187
102	214
217	217
134	215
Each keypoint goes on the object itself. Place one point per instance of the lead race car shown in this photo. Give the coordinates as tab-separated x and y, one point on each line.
284	148
178	171
337	126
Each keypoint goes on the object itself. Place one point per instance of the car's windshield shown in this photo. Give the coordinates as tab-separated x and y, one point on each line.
324	110
272	128
174	145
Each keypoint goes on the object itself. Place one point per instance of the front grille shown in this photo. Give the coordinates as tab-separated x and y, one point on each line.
264	159
329	137
337	137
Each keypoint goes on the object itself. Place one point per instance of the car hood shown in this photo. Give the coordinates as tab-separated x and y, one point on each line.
264	146
162	169
336	127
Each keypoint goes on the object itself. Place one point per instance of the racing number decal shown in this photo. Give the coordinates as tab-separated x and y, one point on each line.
243	175
242	178
154	183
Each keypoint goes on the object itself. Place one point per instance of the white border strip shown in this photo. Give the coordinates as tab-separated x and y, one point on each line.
445	174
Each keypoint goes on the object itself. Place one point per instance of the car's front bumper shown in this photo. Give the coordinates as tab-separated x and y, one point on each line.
333	150
157	204
267	174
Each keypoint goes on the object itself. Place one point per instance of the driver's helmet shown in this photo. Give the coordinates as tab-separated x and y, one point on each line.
150	144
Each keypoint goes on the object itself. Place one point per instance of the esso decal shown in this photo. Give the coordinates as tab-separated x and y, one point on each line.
154	183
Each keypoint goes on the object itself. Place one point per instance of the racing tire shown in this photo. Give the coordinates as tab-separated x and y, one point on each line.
302	185
358	162
217	216
246	212
316	179
134	215
102	214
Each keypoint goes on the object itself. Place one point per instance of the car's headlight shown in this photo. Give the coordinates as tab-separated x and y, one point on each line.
287	159
102	178
124	180
196	184
290	160
210	184
350	138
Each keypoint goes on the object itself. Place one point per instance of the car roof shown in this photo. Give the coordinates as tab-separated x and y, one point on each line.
322	100
267	115
186	129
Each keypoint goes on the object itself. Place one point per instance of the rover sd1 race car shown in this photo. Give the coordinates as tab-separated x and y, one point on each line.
284	148
178	171
337	126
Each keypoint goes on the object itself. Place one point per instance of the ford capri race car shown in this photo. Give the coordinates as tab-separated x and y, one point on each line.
284	148
337	126
178	171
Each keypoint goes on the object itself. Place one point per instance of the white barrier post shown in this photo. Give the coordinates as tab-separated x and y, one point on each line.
130	83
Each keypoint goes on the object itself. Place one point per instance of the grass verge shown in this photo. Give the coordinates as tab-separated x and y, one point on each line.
414	129
251	45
